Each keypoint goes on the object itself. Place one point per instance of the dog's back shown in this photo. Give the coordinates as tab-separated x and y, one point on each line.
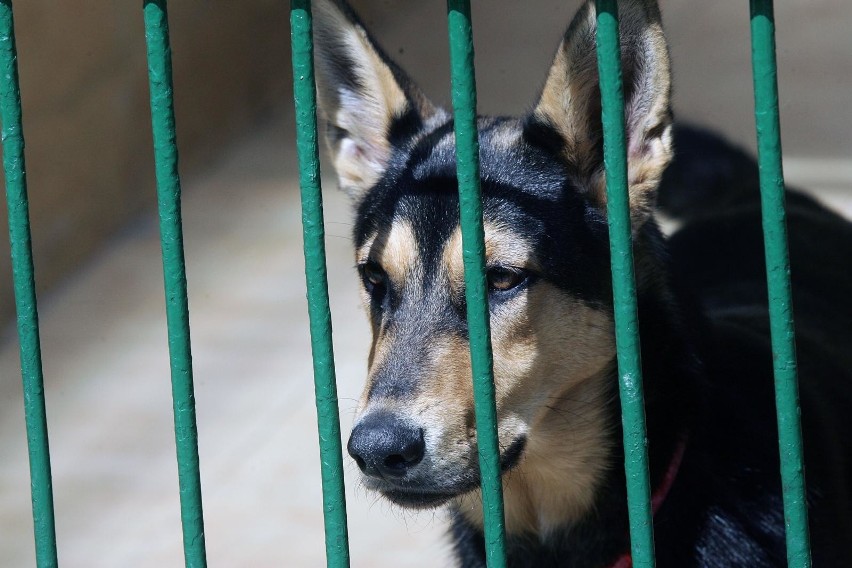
717	260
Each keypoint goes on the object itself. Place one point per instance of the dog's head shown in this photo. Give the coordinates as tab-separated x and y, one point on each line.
547	263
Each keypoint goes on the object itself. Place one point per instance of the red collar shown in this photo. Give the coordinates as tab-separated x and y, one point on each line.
660	493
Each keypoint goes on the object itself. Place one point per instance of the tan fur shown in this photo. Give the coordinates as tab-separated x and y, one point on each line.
550	351
556	480
553	353
361	154
395	250
570	102
565	101
502	246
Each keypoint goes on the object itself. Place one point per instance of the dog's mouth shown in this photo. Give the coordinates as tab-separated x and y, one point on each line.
421	496
510	458
413	499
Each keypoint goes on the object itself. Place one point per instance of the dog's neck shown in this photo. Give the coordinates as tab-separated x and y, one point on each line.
660	493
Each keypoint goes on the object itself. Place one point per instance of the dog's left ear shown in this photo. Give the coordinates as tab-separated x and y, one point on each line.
570	102
368	102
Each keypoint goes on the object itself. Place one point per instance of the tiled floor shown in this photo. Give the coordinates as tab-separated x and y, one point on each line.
108	390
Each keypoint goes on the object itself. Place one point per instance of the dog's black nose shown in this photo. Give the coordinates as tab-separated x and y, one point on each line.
385	446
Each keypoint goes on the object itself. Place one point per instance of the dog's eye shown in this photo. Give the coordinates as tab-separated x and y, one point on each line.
373	275
502	279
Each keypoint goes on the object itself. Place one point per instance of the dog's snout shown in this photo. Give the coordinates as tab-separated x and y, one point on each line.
385	446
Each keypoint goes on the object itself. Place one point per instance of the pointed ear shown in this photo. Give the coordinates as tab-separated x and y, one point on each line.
570	102
368	102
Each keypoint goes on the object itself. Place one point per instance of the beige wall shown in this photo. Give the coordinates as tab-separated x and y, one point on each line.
710	47
86	118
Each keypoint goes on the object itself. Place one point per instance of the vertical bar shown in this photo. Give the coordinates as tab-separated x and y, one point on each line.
319	311
778	282
476	290
25	297
624	288
174	272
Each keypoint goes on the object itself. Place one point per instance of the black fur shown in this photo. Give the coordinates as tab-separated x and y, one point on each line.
707	360
704	328
707	367
420	186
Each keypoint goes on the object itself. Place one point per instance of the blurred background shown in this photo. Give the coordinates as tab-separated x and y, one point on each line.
91	185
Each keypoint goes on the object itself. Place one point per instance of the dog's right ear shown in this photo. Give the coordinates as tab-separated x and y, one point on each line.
367	101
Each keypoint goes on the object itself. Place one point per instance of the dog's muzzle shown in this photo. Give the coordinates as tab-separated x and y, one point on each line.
391	453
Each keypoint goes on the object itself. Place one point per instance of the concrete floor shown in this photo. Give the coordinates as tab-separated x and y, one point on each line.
109	401
104	338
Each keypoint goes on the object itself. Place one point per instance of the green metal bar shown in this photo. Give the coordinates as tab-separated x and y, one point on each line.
476	289
624	288
25	296
174	271
319	311
778	282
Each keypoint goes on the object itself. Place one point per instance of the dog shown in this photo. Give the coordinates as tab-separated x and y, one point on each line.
706	355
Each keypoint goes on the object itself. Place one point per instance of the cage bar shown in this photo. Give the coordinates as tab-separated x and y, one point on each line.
476	289
25	297
624	288
319	311
778	282
174	272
